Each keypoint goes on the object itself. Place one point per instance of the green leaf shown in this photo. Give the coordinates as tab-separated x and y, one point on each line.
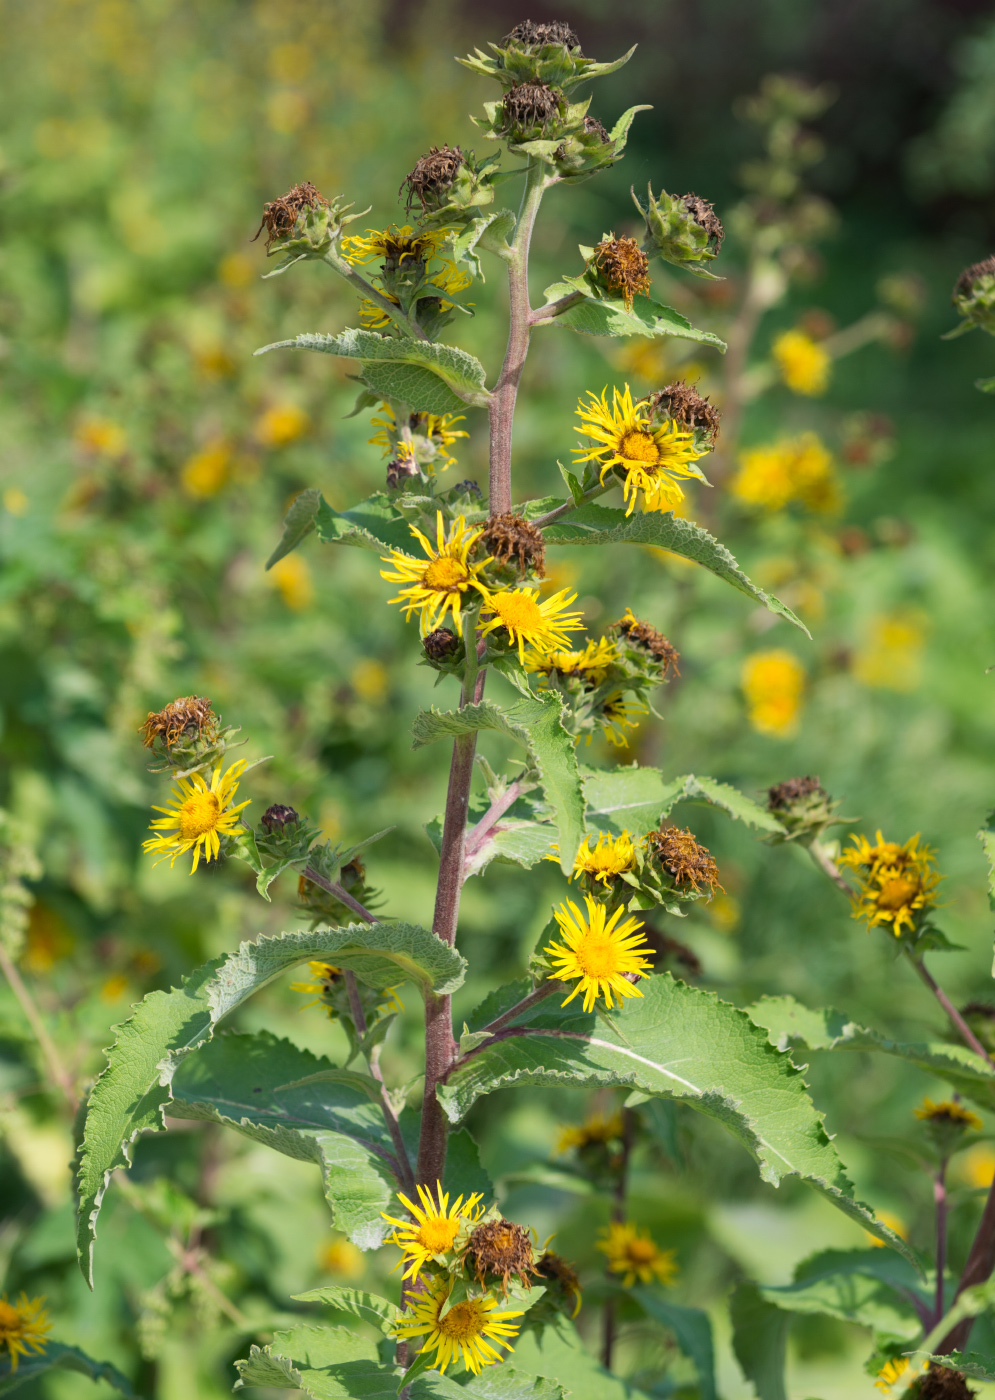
57	1356
729	800
790	1024
638	799
429	378
506	1382
692	1329
326	1363
489	231
869	1287
592	524
599	314
537	723
682	1043
759	1339
987	838
970	1363
368	1307
987	386
559	1355
297	524
373	524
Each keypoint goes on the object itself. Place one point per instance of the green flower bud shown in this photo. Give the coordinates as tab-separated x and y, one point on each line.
684	231
540	53
284	834
974	296
803	807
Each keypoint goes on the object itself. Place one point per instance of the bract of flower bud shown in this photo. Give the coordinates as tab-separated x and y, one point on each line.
303	223
444	652
450	184
284	834
974	296
683	230
803	807
540	53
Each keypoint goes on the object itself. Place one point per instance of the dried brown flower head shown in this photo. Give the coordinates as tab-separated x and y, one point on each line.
508	537
555	1269
502	1248
532	36
400	470
641	634
684	859
440	644
530	105
624	266
189	715
682	402
591	124
280	216
944	1383
985	268
792	790
705	216
432	176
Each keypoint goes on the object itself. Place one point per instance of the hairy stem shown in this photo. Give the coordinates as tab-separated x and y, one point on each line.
940	1199
827	865
502	405
57	1071
978	1269
540	993
337	892
956	1019
366	289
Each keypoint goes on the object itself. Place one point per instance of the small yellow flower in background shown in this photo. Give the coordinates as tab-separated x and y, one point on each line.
369	680
948	1111
287	111
598	951
342	1258
465	1331
434	1228
281	424
618	715
636	1256
898	1373
896	882
22	1327
100	437
596	1129
237	270
724	912
798	470
49	940
608	857
805	366
438	585
891	656
977	1166
114	988
291	576
542	626
204	474
198	816
590	664
774	685
15	501
894	1223
649	460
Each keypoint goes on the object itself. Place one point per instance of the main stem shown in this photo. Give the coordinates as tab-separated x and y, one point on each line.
618	1216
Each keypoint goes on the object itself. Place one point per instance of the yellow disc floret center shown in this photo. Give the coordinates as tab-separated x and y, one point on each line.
897	893
597	957
446	574
436	1236
641	1251
462	1321
638	445
10	1320
198	815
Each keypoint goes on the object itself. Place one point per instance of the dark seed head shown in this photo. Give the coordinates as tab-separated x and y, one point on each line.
189	715
792	790
275	818
501	1248
641	634
529	35
508	537
624	266
705	217
432	177
440	644
280	215
970	275
682	402
684	860
944	1383
530	105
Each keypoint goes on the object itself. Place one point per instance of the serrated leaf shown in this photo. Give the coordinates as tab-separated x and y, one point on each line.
326	1363
682	1043
599	314
760	1341
368	1307
538	724
428	377
729	800
489	231
58	1356
970	1363
637	799
790	1024
373	524
297	524
869	1287
692	1329
592	524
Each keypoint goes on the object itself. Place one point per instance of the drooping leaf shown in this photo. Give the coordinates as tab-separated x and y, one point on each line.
692	1329
373	525
368	1307
593	524
760	1341
790	1024
685	1044
428	377
638	799
297	525
869	1287
58	1356
537	723
600	314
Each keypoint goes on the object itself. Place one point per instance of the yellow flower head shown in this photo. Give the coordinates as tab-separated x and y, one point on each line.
204	474
439	429
948	1113
395	245
609	857
291	577
437	586
898	1375
590	664
598	951
803	363
465	1331
434	1228
647	460
198	816
598	1129
22	1327
341	1258
618	715
372	315
100	437
544	626
794	470
896	882
636	1256
282	424
892	653
773	683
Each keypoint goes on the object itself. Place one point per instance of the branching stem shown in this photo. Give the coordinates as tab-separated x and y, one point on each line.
367	289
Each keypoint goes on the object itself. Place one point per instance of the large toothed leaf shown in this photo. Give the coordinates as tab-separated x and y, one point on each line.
373	525
870	1287
368	1307
429	378
538	724
681	1043
592	524
791	1025
131	1093
596	313
637	799
58	1357
298	524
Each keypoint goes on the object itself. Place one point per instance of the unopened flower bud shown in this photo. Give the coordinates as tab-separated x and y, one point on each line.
684	231
467	488
622	267
974	296
400	471
441	645
508	537
802	806
277	817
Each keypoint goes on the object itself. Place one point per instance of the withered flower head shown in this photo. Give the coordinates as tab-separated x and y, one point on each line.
432	177
508	537
684	860
944	1383
974	296
784	795
189	715
530	35
682	403
441	644
280	215
972	274
642	634
400	470
555	1269
275	818
624	267
704	215
592	125
501	1248
528	106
